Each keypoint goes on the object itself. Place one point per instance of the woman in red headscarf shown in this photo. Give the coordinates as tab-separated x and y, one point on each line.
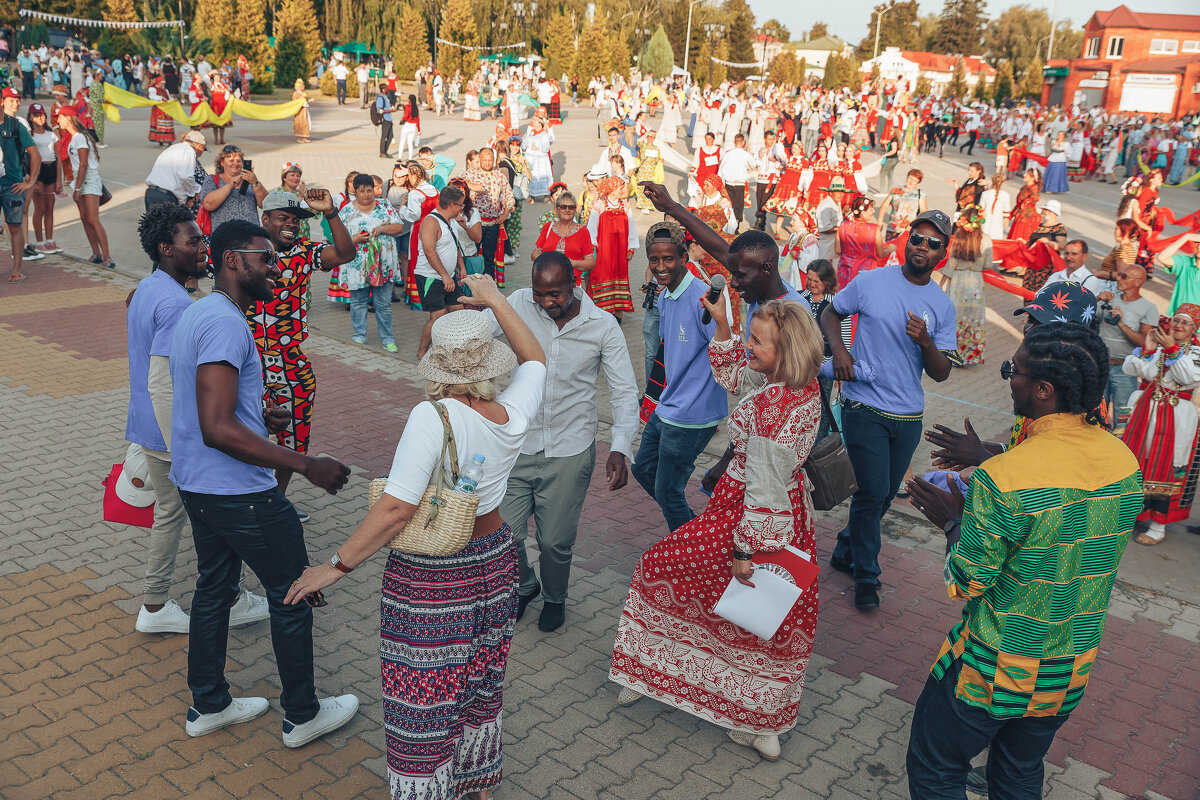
716	209
162	127
612	229
1163	424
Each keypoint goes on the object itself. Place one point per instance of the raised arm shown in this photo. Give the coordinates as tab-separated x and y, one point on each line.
485	294
708	239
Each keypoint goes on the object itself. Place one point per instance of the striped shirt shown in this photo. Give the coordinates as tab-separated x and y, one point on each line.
1045	526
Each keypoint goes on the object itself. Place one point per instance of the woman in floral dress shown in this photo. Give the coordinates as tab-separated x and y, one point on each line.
649	168
670	645
970	255
787	194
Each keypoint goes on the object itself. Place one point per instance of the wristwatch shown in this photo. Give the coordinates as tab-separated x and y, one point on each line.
336	562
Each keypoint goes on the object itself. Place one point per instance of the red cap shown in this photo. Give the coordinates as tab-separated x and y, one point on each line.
10	92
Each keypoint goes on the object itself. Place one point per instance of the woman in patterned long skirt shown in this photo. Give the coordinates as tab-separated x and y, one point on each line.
670	643
970	255
612	229
446	622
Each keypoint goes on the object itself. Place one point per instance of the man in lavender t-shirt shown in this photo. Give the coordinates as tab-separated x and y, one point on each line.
906	327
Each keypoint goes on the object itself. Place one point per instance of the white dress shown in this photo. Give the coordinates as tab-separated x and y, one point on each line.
1182	374
668	129
996	207
537	154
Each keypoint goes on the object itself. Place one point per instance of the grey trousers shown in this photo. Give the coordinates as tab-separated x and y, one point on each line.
551	490
169	520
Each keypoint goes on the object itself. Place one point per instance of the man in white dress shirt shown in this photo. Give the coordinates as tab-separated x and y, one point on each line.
771	160
172	179
734	171
552	474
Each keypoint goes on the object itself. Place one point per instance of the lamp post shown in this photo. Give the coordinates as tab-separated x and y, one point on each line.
714	30
878	20
769	33
687	41
643	34
519	8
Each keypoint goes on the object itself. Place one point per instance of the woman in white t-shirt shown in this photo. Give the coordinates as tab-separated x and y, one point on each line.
450	619
87	186
47	182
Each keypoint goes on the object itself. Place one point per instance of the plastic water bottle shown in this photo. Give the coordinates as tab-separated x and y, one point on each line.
469	478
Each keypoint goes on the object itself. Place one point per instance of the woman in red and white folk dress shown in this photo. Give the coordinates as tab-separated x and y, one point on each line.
611	228
670	645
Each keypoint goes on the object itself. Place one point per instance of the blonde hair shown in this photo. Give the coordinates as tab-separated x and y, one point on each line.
799	345
480	390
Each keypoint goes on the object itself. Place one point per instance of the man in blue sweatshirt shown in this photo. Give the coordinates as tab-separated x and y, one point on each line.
692	404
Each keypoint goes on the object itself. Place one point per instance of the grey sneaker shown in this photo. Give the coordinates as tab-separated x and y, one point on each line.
242	709
335	712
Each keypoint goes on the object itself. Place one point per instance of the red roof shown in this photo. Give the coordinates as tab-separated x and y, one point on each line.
1123	17
938	62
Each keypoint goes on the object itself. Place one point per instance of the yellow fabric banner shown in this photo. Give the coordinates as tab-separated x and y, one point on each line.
114	97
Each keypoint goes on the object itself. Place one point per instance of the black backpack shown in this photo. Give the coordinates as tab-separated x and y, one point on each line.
376	116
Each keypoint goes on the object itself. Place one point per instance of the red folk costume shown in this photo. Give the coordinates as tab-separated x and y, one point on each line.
1025	217
576	245
615	237
822	177
162	127
429	201
716	214
670	645
787	195
708	160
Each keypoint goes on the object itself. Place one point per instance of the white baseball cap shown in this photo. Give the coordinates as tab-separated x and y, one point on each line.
133	484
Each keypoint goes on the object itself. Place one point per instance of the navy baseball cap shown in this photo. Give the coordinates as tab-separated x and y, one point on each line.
1065	301
938	219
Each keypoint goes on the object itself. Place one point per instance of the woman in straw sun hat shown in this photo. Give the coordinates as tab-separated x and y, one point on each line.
446	622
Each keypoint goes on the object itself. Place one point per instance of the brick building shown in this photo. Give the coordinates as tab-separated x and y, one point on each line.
1131	61
906	67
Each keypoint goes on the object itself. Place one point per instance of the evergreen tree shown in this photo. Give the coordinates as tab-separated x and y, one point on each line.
657	57
559	44
410	48
298	19
739	35
252	40
219	23
781	31
719	72
802	71
291	62
832	70
922	88
818	30
897	28
784	69
591	57
1002	87
875	75
958	81
458	26
116	42
960	27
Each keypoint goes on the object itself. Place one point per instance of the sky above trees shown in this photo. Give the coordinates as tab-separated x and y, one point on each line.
848	19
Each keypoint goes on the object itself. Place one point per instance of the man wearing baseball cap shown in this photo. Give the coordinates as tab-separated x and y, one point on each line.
172	179
906	326
14	183
280	325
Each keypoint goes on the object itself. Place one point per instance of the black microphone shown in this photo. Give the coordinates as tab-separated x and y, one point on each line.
714	293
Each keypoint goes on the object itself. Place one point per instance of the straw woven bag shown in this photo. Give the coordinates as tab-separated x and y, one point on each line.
445	519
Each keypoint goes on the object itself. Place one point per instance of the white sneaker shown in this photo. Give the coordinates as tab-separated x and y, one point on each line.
766	744
168	619
242	709
249	608
628	696
335	712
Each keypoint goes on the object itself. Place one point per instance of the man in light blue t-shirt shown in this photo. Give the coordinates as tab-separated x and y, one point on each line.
223	464
906	327
692	404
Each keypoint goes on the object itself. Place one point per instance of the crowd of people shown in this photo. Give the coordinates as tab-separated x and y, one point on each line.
853	293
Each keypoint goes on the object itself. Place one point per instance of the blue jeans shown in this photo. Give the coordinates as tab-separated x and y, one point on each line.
263	530
880	449
665	461
947	733
691	126
341	93
382	296
650	330
1121	386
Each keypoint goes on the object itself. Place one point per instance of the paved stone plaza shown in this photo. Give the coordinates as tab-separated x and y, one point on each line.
92	709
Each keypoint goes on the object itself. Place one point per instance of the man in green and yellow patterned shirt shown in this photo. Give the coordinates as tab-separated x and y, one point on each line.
1035	557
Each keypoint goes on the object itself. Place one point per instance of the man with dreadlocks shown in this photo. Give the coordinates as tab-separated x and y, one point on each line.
1036	576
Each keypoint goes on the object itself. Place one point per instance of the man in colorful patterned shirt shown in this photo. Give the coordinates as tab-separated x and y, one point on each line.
1035	557
280	325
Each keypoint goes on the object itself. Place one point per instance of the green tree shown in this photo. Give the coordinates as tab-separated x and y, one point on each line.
1068	40
785	69
217	21
591	57
559	44
958	81
739	35
252	42
342	20
708	70
875	75
1020	35
802	71
458	26
291	62
1002	86
832	70
898	28
116	42
410	50
657	57
298	20
818	30
960	28
1031	82
781	31
922	88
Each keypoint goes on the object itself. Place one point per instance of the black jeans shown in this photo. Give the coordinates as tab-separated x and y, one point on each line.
737	198
263	530
969	144
947	733
880	448
487	247
385	137
27	85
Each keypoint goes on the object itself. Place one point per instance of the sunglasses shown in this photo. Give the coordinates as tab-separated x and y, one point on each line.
316	599
270	258
917	240
570	207
231	148
1007	371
